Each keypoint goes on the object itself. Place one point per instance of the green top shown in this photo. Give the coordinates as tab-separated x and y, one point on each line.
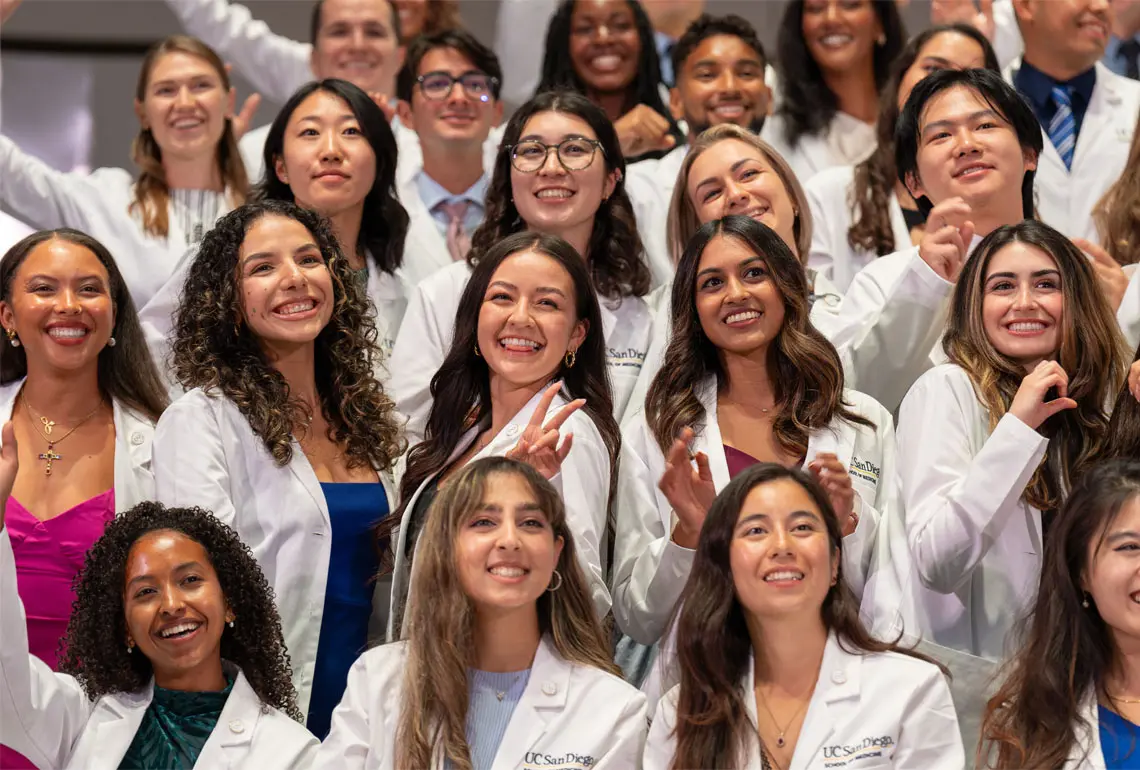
174	729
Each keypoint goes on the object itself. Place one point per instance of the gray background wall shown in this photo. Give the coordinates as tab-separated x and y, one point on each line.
40	89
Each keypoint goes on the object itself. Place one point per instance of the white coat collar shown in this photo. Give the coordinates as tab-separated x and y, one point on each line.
505	439
544	698
1087	752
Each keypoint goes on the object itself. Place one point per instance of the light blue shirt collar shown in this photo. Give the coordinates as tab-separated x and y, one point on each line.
432	193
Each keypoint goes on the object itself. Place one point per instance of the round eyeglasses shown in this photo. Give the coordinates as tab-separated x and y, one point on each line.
437	85
575	154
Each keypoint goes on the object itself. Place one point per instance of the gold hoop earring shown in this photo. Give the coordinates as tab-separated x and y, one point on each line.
556	583
570	357
477	353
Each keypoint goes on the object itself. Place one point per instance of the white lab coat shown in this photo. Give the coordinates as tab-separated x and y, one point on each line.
388	293
12	231
134	479
650	570
974	542
830	196
869	711
583	482
98	204
649	184
48	718
1087	752
429	328
570	716
1066	197
846	141
206	454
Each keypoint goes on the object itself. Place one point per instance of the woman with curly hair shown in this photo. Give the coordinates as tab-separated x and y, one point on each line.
991	442
502	658
74	373
833	58
559	171
863	211
190	171
174	653
284	433
527	318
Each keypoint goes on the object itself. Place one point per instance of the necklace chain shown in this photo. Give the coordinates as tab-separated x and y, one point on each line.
48	425
782	731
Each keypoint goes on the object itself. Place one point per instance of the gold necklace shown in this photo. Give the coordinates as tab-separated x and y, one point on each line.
1118	699
780	738
50	455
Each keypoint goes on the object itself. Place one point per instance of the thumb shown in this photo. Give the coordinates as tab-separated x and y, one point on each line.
967	233
1059	405
1098	253
252	102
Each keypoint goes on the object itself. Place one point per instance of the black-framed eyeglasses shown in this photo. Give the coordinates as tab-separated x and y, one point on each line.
437	85
574	153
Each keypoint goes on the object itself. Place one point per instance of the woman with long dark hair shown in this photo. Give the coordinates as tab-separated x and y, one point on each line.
833	58
1070	693
560	172
284	432
605	50
501	637
527	318
776	669
190	172
862	212
79	386
1124	427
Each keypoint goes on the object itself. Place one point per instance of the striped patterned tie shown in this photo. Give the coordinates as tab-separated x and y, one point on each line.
1063	127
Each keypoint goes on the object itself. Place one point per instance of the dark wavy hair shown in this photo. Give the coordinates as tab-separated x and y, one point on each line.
807	375
95	645
384	223
876	177
558	73
1001	97
214	350
807	104
615	255
1067	649
714	648
127	373
1124	426
1091	352
461	389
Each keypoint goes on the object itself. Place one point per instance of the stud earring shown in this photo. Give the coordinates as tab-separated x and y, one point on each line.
882	39
1085	601
130	646
111	342
231	624
13	338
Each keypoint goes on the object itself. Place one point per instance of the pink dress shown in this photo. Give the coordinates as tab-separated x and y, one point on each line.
49	554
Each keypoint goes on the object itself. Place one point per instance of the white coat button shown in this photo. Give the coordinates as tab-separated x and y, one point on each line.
839	677
137	438
512	430
236	726
550	688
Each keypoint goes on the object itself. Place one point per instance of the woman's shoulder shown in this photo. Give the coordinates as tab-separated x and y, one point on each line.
902	670
831	183
944	376
865	406
451	278
194	403
604	686
384	659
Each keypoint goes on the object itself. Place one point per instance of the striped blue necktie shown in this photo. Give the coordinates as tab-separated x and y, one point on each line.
1063	127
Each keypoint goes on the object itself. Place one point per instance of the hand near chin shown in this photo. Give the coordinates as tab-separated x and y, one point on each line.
9	465
538	446
949	231
643	130
1033	404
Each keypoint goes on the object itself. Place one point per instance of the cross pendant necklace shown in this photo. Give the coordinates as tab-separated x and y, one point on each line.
51	456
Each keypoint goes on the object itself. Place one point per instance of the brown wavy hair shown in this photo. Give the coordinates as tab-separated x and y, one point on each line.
1092	353
683	221
615	255
1117	214
1124	427
214	350
441	618
714	648
807	375
876	177
152	194
1067	650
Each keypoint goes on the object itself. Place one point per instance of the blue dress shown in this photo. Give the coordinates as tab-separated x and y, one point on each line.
354	509
1119	741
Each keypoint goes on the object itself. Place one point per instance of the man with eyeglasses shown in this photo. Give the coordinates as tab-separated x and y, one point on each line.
448	94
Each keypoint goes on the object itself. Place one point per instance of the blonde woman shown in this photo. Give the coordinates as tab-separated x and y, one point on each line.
503	659
189	170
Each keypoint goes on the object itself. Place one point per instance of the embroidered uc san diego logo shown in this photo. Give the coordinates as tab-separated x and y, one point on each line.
855	755
625	357
537	760
865	470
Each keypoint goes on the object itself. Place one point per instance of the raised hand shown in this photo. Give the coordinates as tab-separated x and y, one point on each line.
689	490
947	239
836	481
1109	274
9	464
643	130
241	121
538	446
979	15
1029	404
384	103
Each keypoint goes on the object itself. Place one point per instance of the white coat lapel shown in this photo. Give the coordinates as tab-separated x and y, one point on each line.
898	223
709	440
837	438
1087	752
544	698
1099	118
304	473
113	725
134	481
230	741
838	681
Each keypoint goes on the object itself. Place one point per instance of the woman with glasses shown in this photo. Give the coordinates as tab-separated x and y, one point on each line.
559	172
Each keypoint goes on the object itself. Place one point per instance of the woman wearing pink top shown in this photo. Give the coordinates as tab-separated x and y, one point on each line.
82	391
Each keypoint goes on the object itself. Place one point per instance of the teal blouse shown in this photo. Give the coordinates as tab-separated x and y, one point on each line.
174	729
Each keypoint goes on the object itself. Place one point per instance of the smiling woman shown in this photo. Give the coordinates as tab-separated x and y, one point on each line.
294	438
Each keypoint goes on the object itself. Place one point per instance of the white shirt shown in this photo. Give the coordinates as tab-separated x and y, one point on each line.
206	454
870	711
846	141
48	718
570	717
12	231
650	184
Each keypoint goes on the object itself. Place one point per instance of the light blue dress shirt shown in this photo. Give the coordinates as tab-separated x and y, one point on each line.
433	194
664	52
1114	58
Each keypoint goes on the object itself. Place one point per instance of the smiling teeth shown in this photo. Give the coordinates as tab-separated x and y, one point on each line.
729	110
518	342
296	307
554	193
971	170
508	571
179	629
1026	326
836	40
187	123
785	575
606	62
67	331
746	315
